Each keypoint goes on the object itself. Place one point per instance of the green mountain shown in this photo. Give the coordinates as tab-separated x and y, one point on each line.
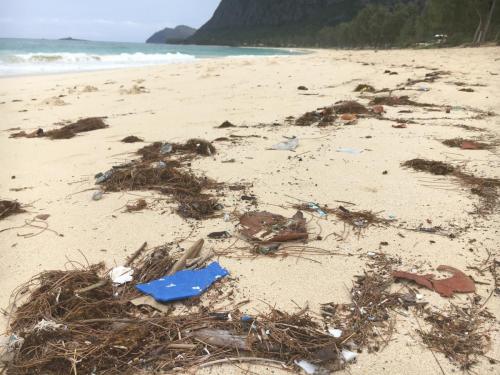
350	23
167	35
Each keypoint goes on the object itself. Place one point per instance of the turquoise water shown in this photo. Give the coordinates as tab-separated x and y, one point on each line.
38	56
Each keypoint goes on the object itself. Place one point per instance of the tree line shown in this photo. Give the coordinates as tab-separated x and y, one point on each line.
451	22
380	24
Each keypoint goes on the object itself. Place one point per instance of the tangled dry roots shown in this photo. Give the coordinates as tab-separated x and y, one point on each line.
166	172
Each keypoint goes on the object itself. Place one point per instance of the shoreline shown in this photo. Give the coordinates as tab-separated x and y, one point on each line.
189	100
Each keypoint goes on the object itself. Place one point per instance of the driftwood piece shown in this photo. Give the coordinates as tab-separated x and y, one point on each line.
192	252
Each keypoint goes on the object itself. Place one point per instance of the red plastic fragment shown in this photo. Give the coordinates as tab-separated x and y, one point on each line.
458	283
470	145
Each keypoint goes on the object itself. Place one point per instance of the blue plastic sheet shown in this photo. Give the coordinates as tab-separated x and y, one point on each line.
183	284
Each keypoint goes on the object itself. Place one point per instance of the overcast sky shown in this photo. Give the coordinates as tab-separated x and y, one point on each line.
111	20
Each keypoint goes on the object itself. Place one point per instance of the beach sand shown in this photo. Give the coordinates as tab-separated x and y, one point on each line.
182	101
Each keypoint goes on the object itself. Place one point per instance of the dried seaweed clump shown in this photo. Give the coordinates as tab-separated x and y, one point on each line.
8	208
459	333
431	166
359	220
363	87
429	77
67	131
323	117
81	126
132	139
398	100
466	144
350	106
486	188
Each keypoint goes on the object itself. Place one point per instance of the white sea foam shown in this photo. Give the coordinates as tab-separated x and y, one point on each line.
33	63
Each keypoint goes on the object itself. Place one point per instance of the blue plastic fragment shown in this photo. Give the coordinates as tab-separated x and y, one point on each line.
314	206
183	284
246	318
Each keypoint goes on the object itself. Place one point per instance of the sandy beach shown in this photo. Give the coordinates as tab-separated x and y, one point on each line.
173	103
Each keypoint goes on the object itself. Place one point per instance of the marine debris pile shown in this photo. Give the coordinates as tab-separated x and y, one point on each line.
162	167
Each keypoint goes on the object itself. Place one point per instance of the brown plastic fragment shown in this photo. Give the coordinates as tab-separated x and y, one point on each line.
266	227
423	280
458	283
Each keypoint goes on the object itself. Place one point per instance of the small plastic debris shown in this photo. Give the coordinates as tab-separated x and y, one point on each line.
308	367
150	301
348	118
378	109
102	177
121	275
183	284
335	332
268	249
222	338
291	145
423	88
470	145
97	196
11	343
315	207
268	228
46	325
363	87
166	149
348	355
349	150
227	217
159	165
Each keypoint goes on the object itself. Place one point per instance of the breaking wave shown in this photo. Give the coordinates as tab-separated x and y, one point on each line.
32	63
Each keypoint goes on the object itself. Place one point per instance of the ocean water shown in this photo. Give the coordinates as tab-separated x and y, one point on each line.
40	56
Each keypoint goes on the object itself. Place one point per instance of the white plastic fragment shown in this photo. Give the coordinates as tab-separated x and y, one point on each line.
97	196
348	355
335	332
290	145
166	149
11	342
308	367
349	150
121	275
46	325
